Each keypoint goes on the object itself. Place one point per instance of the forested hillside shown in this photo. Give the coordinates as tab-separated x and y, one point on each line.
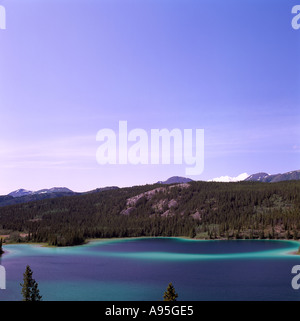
194	209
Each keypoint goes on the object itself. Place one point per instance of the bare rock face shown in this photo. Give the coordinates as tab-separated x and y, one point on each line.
163	206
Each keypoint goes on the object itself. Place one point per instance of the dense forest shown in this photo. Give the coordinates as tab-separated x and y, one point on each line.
208	210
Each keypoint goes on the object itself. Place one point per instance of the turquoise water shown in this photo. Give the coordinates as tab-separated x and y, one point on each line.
140	269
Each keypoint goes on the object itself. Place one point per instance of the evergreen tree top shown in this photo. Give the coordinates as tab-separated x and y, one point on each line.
30	291
170	294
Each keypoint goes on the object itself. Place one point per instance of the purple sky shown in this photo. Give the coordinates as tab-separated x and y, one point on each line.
70	68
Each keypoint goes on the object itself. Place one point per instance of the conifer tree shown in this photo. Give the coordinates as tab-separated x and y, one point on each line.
1	250
30	289
170	294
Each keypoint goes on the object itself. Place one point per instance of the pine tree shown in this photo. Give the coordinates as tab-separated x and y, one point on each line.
170	294
192	233
30	289
1	250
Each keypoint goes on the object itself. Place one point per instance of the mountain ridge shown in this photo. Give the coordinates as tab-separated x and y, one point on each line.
24	196
175	180
23	192
272	178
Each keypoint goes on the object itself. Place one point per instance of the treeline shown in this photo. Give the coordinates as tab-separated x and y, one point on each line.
203	210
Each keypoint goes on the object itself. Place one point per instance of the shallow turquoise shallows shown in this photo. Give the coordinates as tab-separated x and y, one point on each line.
141	268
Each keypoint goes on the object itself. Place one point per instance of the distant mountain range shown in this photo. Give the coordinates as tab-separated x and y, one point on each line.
267	178
23	192
258	177
24	196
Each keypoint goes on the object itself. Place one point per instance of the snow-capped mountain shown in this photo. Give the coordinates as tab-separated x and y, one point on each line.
24	196
260	177
257	177
267	178
20	192
54	190
23	192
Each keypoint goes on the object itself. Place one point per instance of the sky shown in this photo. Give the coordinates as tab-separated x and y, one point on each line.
70	68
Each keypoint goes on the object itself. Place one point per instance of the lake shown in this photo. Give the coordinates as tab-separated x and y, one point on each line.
140	269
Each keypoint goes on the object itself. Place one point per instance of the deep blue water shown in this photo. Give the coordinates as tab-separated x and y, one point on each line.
140	269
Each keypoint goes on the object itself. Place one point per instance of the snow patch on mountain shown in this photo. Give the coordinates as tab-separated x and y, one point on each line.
23	192
20	192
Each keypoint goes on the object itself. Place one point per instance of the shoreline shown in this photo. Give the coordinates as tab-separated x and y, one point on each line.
288	252
93	240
